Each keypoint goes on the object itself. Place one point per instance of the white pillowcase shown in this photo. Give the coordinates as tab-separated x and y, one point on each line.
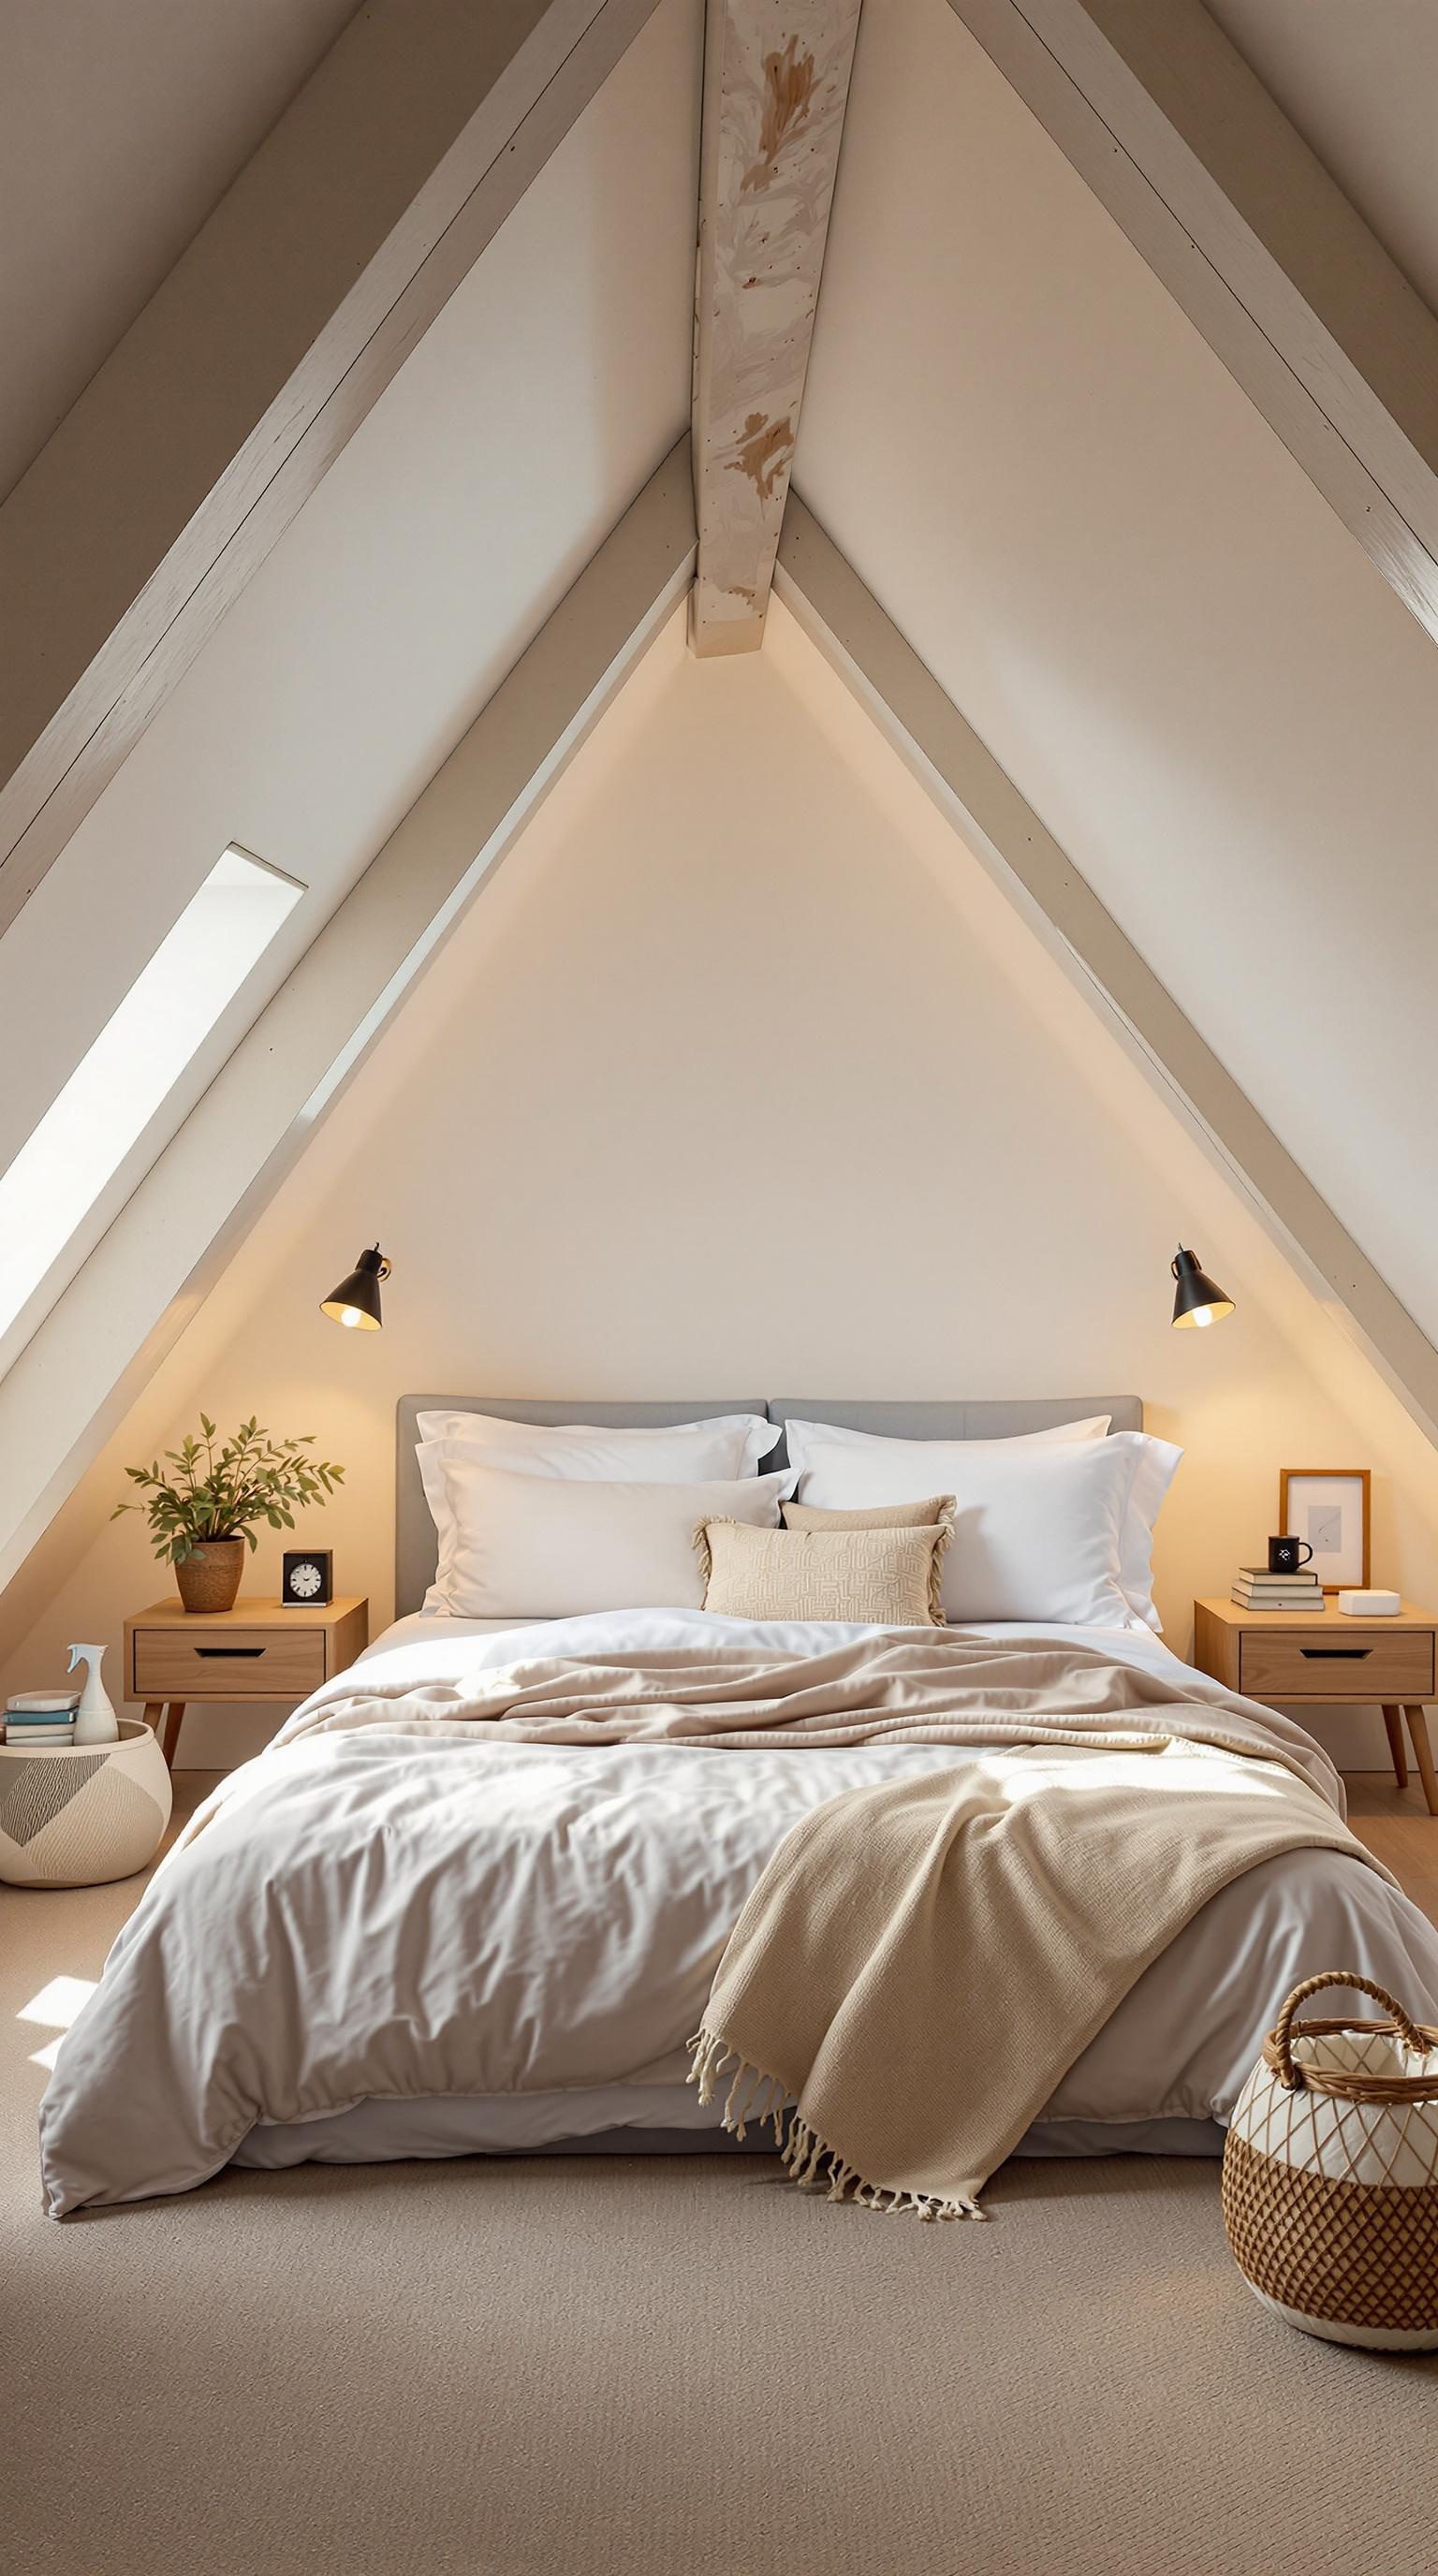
680	1453
521	1546
829	1453
1043	1529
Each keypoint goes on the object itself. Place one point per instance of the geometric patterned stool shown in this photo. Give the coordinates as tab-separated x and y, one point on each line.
84	1813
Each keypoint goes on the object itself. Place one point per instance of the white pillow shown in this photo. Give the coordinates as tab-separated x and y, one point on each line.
1043	1530
867	1464
680	1453
548	1547
1156	1464
865	1461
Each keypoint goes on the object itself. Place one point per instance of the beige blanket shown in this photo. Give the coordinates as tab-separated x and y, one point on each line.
923	1960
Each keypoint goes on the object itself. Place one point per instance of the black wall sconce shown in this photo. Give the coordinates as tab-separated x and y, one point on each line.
1197	1298
356	1302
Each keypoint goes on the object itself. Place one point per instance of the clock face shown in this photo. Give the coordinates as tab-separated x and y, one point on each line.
305	1581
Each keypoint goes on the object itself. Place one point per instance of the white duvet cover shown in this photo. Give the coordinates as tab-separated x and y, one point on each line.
564	1908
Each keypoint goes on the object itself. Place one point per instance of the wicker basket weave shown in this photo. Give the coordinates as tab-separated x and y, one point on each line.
1330	2175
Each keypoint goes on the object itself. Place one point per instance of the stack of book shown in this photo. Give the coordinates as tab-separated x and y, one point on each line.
1254	1588
40	1720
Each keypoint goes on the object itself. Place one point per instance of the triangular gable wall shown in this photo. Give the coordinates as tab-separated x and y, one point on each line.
743	1070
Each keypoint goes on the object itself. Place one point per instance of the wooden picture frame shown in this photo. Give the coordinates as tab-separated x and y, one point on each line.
1346	1566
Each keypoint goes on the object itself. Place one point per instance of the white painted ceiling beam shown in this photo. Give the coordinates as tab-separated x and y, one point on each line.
863	644
196	443
1181	142
776	83
126	1308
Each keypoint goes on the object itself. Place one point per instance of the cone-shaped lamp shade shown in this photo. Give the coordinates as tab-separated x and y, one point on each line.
1197	1299
356	1300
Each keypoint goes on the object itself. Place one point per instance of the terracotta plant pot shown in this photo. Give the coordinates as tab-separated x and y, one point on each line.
210	1579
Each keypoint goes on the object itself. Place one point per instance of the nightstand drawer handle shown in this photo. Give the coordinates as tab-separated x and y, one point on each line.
1334	1654
229	1654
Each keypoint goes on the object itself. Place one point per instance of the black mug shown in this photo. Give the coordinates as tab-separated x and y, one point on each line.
1286	1555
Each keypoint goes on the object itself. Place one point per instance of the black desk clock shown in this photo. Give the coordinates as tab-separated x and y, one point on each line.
307	1579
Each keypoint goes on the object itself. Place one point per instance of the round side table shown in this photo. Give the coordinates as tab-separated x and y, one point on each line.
83	1813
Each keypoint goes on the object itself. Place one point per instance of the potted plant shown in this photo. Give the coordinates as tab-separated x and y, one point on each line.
212	1502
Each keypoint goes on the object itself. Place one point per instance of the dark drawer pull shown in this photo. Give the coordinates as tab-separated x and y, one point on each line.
229	1654
1334	1654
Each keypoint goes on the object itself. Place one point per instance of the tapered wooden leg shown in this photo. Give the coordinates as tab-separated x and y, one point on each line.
1423	1751
1393	1720
154	1712
173	1715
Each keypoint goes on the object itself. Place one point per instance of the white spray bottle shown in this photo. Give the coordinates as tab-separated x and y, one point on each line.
95	1719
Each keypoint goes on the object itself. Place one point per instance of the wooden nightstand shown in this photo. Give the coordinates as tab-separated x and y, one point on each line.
258	1650
1300	1661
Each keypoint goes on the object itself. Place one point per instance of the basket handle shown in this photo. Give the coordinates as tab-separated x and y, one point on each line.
1291	2076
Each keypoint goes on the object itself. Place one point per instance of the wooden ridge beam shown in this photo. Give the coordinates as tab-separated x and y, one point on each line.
866	648
1178	138
205	431
776	84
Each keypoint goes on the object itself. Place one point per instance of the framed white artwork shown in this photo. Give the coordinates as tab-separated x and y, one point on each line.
1328	1507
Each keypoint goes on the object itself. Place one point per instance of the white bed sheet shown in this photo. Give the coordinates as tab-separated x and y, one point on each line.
1162	2076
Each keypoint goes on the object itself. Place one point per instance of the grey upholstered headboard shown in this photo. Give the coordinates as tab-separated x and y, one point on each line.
983	1418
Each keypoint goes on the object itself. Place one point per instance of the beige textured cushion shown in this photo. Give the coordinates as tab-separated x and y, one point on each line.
888	1576
808	1516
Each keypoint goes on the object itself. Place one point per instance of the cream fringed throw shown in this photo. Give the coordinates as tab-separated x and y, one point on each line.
923	1961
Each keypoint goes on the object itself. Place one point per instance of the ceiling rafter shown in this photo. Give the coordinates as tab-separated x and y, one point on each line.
842	616
224	404
1158	111
776	84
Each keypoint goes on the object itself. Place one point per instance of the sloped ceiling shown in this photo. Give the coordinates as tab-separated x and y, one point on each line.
495	464
1143	607
1359	79
120	128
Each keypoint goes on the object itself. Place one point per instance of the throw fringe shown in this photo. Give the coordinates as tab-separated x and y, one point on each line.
812	2164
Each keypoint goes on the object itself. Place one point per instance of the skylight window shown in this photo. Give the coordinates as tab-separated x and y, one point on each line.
136	1061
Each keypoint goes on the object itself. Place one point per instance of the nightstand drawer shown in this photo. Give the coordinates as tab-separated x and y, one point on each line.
1344	1665
227	1663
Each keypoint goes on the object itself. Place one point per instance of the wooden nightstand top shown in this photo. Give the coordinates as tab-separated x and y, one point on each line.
252	1610
1328	1615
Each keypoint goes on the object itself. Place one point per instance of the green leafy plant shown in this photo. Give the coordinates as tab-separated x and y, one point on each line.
226	1493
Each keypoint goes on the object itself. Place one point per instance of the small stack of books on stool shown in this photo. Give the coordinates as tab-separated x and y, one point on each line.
38	1721
1254	1588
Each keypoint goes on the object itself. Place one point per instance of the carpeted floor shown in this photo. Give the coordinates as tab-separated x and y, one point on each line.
662	2368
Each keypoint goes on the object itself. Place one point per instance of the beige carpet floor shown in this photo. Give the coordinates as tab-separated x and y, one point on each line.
662	2368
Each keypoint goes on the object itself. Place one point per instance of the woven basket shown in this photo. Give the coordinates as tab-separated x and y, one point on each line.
1330	2175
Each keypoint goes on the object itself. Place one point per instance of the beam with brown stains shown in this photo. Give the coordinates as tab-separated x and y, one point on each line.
776	83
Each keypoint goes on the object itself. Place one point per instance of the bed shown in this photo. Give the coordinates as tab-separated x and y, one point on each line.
541	1921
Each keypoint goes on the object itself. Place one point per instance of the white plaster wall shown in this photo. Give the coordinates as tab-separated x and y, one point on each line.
1139	601
741	1075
